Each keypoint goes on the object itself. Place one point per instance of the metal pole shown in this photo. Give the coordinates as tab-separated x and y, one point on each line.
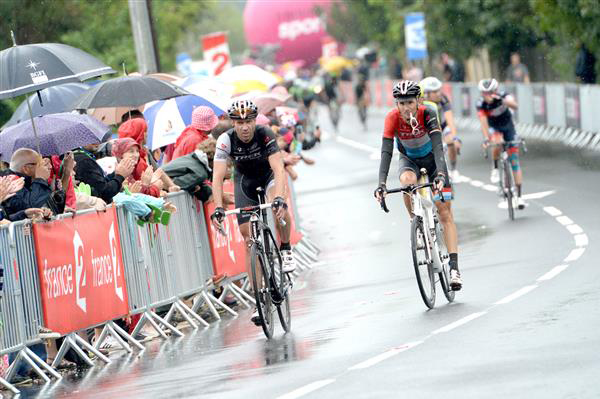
142	36
37	139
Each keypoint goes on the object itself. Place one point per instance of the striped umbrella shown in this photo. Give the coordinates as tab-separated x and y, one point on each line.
168	118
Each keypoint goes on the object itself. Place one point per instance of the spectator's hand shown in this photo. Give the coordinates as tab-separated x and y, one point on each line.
34	213
4	188
9	187
291	159
16	185
174	188
136	187
147	176
68	164
42	171
125	167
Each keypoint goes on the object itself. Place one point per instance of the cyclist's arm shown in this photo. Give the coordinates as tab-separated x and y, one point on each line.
485	127
450	121
276	163
387	149
220	168
432	124
511	102
387	145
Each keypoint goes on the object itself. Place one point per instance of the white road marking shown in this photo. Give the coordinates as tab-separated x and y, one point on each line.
553	273
375	156
581	240
385	355
459	322
490	187
574	255
306	389
574	229
564	220
538	195
464	179
516	294
356	144
476	183
552	211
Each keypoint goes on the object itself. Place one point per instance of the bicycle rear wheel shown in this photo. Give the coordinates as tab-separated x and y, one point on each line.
444	275
508	187
422	263
264	305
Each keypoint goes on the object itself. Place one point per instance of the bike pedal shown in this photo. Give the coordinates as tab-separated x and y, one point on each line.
455	287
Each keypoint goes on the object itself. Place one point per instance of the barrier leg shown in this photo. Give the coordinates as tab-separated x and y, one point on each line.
211	300
108	330
242	291
203	298
9	386
34	366
44	365
238	293
124	334
146	318
313	257
153	318
90	348
176	308
183	308
70	343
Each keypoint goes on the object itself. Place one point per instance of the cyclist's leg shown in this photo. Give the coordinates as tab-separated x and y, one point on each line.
284	231
510	134
243	197
408	175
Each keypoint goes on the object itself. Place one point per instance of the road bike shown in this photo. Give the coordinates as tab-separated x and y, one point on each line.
506	183
429	252
270	284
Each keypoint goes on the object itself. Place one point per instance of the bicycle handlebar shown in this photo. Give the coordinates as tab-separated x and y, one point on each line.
406	189
253	209
520	142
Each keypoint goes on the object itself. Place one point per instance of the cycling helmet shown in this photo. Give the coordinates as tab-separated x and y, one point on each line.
242	109
431	83
488	85
406	88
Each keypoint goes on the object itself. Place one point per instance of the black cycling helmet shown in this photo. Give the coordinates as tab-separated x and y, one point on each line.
406	88
242	109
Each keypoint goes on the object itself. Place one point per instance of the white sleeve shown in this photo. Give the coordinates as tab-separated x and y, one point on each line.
223	148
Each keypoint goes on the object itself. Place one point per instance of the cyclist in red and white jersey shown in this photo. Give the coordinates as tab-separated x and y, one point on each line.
417	129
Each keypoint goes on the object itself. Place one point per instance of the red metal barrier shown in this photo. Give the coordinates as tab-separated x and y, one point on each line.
81	271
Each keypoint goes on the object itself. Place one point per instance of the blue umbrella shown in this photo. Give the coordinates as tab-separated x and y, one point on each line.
168	118
57	134
55	99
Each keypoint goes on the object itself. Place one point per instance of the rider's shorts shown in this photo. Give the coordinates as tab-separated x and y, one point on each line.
427	162
508	133
245	191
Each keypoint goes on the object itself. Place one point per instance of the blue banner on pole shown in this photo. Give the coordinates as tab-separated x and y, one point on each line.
414	33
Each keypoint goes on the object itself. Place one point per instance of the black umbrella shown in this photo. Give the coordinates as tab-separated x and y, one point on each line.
32	67
55	99
128	91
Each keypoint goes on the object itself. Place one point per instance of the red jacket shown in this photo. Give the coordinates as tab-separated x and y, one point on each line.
188	140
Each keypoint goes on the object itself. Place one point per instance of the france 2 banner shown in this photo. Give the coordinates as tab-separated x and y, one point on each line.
229	250
216	52
81	271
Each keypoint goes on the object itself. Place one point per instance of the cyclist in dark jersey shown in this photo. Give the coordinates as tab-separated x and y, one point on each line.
417	129
432	87
497	125
258	163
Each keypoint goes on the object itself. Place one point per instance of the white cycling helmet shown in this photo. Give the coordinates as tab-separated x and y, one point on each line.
488	85
431	83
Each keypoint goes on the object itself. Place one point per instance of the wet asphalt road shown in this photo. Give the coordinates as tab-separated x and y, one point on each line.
360	329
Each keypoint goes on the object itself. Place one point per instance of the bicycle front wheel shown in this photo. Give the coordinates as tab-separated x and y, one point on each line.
444	275
422	263
508	187
260	283
281	284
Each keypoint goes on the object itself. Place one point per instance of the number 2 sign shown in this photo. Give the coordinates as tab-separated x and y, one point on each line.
216	52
